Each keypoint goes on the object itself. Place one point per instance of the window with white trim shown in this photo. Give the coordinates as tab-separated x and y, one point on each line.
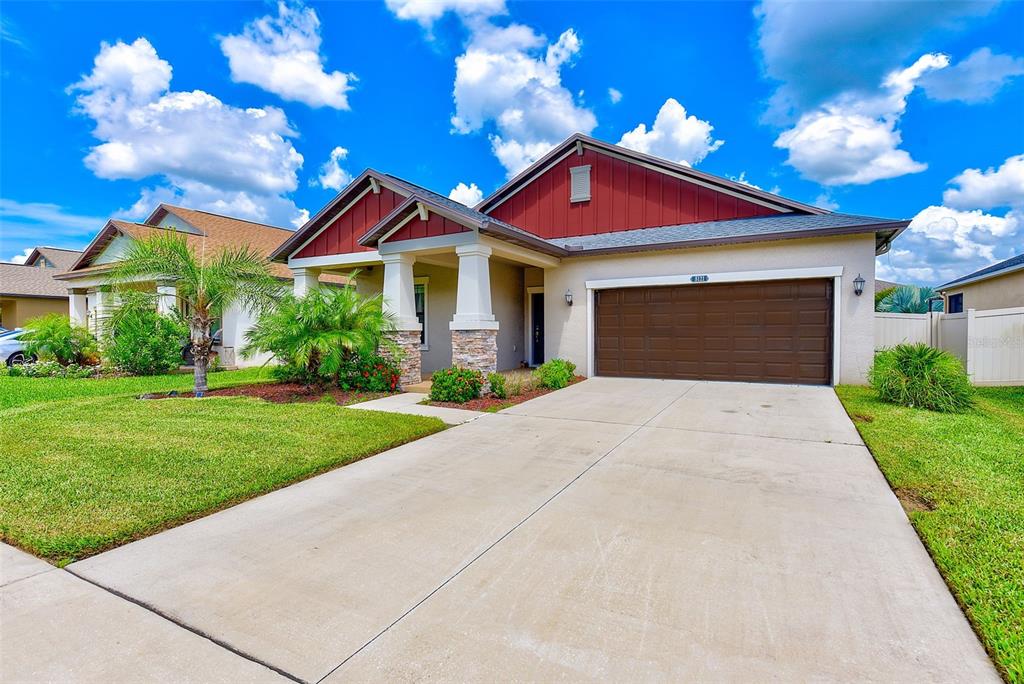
420	297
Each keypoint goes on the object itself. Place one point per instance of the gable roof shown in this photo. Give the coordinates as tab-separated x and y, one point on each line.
23	280
1014	263
578	141
62	259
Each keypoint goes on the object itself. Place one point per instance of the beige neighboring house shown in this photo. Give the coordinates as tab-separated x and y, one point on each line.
999	286
28	290
88	296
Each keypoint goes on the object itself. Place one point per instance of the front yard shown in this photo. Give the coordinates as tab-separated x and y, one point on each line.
86	466
961	479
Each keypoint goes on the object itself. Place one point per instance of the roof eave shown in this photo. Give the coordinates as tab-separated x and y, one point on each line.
977	279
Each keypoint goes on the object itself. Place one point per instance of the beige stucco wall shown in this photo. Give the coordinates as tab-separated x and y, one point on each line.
1001	292
566	326
14	311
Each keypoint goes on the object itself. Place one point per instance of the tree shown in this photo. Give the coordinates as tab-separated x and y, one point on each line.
206	285
909	299
319	332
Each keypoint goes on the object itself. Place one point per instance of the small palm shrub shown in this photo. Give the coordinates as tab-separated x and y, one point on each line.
497	384
919	376
457	385
53	338
555	374
142	341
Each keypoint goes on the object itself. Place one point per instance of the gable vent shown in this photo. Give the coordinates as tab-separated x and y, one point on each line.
579	186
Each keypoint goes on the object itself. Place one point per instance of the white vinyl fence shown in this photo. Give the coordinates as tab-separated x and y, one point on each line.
990	343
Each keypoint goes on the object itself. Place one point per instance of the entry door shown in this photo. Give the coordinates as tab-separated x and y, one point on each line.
537	328
772	331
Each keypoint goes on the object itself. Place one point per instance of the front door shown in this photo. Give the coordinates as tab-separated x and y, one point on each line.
537	328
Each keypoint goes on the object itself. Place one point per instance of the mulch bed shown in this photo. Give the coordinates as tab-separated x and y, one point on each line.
491	404
279	393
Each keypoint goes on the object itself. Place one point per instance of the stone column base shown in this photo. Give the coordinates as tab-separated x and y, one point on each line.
476	349
409	355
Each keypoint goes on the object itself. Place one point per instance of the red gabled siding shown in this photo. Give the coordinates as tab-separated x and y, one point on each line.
432	227
624	196
341	236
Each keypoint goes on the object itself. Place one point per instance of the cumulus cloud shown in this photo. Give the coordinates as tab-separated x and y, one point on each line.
825	201
332	176
470	195
270	209
1002	187
975	79
426	12
282	55
21	257
674	136
817	51
854	139
195	144
615	95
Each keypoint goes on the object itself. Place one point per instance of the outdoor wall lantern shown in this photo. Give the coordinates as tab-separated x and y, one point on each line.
858	285
568	297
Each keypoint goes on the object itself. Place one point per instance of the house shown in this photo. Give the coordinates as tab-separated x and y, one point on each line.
881	285
28	290
86	283
999	286
626	264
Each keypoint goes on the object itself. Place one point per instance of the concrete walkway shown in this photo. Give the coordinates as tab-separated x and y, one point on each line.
616	530
409	402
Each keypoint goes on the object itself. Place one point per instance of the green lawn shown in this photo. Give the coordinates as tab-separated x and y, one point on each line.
80	473
970	468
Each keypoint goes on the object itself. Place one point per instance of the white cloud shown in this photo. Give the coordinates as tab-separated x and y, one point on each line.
40	223
1002	187
262	208
22	257
282	55
198	145
975	79
854	139
332	176
825	201
426	12
469	195
674	136
817	51
615	95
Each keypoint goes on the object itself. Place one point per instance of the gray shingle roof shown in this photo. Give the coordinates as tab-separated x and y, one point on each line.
62	259
735	230
18	280
989	271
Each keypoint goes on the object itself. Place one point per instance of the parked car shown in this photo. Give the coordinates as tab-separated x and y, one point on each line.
12	349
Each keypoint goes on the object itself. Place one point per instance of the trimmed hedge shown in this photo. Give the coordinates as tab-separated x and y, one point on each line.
457	385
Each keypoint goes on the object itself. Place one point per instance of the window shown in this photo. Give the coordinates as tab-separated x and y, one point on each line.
956	303
579	186
420	295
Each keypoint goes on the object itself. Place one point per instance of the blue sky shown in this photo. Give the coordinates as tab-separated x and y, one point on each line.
263	110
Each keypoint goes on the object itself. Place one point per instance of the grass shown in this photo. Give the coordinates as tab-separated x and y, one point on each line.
81	473
21	391
969	470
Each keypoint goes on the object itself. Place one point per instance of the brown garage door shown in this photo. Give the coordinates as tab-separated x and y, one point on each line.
775	331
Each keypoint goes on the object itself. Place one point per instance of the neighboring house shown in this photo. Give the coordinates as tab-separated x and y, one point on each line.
884	285
999	286
86	282
28	290
623	263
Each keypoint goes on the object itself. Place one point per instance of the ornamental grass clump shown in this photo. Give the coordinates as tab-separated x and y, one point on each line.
457	385
920	376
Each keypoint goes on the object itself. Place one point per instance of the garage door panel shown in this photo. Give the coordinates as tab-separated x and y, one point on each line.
779	331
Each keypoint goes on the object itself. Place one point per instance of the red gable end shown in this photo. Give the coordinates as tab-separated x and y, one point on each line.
624	195
341	236
434	226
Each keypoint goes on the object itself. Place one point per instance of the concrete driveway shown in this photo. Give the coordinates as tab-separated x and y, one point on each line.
618	529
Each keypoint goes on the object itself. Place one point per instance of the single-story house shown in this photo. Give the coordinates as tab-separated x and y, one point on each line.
86	283
29	289
999	286
624	263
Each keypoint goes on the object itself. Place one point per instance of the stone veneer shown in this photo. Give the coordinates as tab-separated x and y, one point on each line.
476	349
409	355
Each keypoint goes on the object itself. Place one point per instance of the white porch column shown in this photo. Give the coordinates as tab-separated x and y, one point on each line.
305	280
104	304
400	301
473	298
78	307
166	297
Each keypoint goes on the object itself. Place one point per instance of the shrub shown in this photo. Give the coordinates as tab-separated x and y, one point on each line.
457	385
369	373
53	338
909	299
144	342
497	383
555	374
917	375
50	369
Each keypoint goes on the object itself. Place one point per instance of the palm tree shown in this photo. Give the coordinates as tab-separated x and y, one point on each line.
207	285
909	299
318	332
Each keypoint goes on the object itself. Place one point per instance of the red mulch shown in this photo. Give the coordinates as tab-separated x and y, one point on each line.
491	403
282	393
